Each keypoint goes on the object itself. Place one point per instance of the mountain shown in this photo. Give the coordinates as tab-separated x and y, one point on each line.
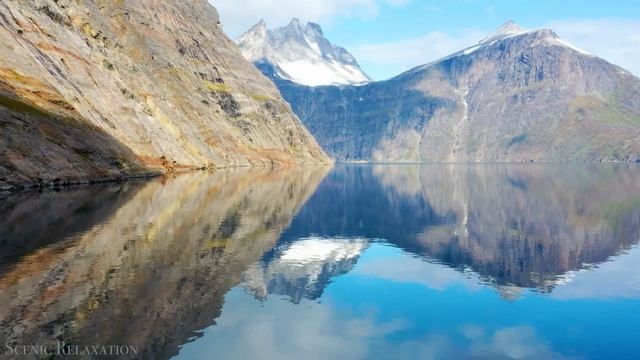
303	269
300	53
517	95
103	89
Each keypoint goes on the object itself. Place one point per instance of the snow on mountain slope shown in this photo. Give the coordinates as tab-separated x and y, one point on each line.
511	29
300	53
507	31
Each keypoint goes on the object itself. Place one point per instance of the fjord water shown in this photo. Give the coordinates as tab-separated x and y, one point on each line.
490	261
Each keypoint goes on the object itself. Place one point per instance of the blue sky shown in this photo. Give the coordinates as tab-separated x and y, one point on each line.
390	36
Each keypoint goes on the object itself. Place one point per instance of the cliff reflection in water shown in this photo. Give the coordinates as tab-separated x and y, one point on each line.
143	264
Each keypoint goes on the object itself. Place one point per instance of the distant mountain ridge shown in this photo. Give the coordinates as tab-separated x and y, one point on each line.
299	52
517	95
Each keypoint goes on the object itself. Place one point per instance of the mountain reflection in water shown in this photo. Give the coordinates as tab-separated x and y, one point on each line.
280	263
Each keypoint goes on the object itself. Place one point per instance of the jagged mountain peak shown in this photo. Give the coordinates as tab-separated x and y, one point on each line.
259	29
306	27
511	29
261	25
295	22
299	52
508	28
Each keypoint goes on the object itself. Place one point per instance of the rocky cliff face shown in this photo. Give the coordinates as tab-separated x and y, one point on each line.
517	95
92	89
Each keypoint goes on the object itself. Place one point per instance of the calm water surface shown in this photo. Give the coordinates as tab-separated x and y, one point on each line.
359	261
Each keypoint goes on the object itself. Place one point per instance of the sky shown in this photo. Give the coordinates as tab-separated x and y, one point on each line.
388	37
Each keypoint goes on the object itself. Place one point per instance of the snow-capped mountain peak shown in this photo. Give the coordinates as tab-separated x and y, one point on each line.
511	30
299	52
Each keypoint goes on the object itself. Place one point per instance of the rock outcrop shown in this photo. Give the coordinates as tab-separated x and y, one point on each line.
517	95
95	89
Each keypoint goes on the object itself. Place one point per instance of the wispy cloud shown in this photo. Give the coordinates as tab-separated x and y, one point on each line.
407	53
239	15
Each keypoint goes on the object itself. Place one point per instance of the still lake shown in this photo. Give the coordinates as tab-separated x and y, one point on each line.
438	261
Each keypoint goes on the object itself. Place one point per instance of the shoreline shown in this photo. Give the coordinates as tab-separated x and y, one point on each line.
56	185
8	187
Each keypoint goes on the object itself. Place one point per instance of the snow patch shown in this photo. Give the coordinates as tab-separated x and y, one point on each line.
316	73
317	250
564	43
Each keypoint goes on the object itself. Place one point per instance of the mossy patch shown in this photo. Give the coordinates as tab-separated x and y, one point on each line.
83	153
17	76
613	211
21	107
605	111
260	97
217	87
532	87
175	72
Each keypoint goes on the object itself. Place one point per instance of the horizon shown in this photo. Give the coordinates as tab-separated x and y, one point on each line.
389	37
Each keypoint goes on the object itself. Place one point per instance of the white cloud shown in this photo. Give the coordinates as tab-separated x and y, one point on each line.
278	329
407	269
407	53
239	15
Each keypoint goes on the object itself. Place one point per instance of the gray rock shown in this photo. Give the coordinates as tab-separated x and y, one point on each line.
102	89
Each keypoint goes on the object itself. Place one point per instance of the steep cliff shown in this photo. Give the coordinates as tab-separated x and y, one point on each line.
517	95
101	88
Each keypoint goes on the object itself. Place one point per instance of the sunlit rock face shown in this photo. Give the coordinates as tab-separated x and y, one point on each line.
92	89
304	268
517	226
144	264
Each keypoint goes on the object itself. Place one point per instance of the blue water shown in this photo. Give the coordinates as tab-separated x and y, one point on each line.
356	262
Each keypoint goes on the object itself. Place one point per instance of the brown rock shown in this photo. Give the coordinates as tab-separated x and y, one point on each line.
93	89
